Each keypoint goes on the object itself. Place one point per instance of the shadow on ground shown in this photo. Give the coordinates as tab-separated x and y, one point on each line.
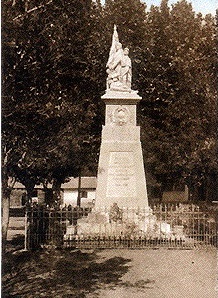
16	243
59	273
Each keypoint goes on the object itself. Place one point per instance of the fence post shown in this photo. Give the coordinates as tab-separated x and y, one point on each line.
26	229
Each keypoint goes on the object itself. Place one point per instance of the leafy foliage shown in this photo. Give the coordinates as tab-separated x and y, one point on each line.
48	105
54	55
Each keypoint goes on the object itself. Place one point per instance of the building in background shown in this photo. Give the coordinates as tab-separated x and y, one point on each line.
69	193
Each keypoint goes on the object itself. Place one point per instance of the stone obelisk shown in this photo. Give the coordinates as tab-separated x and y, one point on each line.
121	176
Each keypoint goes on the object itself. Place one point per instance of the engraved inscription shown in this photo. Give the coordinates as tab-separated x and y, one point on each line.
121	175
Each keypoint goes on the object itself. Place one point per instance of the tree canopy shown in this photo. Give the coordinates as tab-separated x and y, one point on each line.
49	107
54	55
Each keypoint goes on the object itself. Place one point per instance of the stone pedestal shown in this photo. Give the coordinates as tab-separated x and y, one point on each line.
121	176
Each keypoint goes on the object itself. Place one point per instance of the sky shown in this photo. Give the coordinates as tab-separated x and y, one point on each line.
203	6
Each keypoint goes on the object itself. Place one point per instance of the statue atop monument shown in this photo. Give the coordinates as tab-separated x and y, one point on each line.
119	66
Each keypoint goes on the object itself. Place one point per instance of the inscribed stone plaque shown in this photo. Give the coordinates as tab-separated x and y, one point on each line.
121	181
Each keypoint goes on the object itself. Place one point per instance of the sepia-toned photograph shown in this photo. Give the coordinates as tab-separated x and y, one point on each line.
109	138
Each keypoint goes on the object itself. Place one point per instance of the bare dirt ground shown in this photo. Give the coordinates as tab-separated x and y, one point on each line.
119	273
116	273
164	274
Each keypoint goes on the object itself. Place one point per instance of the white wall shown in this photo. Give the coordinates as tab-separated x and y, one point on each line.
70	197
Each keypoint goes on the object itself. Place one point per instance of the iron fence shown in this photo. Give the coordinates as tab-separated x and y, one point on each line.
181	225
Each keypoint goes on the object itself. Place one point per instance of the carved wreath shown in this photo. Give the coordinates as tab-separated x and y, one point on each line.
120	116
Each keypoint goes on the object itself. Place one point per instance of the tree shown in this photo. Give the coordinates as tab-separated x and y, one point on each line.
54	74
173	55
46	91
181	97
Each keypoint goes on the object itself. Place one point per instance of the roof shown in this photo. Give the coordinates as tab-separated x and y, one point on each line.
19	185
86	182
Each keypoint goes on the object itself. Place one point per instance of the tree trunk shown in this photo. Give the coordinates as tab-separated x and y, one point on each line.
7	186
29	189
5	220
56	187
79	191
6	192
211	187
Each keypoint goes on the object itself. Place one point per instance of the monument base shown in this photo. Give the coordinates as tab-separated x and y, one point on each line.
121	176
122	222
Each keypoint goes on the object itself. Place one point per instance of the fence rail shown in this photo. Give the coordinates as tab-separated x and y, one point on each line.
182	225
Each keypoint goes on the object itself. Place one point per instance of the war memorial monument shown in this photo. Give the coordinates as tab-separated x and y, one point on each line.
121	205
121	176
121	195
